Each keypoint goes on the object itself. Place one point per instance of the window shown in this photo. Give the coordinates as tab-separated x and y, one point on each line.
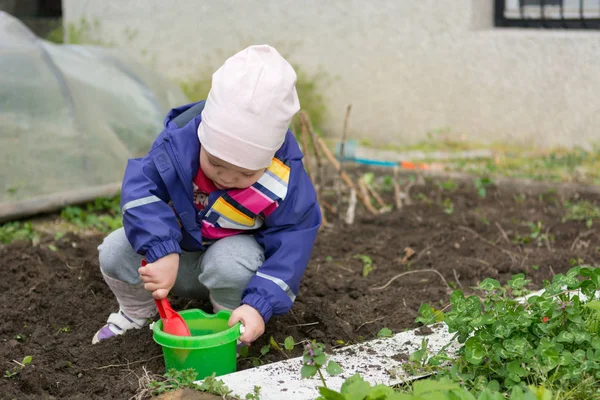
550	14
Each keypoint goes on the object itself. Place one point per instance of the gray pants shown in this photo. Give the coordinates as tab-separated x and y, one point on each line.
220	273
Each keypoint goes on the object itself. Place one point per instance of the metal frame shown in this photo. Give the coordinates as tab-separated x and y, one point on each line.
543	23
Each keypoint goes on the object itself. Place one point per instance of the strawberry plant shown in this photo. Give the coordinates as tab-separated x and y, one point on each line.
551	339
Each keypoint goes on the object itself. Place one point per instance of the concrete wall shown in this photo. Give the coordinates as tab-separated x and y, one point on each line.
407	67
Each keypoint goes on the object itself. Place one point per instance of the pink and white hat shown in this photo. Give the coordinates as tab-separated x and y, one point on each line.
249	108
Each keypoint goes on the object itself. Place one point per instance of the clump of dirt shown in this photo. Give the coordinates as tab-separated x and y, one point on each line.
52	302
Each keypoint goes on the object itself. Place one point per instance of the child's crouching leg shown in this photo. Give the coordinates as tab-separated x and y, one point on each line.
226	268
119	264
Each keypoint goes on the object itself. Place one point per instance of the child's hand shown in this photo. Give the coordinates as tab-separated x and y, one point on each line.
159	277
253	322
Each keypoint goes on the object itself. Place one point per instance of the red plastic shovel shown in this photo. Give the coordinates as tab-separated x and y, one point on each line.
173	323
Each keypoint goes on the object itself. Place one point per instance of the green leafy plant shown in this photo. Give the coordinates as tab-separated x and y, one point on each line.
582	211
9	373
481	185
367	264
536	235
174	379
448	206
313	361
385	333
448	185
12	231
551	339
102	214
255	395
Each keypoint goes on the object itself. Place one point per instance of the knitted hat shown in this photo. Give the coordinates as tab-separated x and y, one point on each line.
249	108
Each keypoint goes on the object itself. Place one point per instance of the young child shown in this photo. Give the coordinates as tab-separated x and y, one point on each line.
221	206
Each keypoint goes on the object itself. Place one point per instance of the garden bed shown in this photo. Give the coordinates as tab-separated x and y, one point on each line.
53	298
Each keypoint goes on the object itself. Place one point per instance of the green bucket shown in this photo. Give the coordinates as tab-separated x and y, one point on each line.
211	349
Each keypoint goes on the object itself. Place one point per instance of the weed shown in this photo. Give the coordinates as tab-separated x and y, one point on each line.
429	315
328	259
482	184
519	198
255	395
535	267
314	359
482	218
582	211
9	373
448	185
423	198
19	338
288	345
535	235
385	333
64	329
551	339
367	264
102	214
174	379
448	206
13	231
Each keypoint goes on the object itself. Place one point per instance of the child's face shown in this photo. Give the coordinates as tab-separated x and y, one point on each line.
226	175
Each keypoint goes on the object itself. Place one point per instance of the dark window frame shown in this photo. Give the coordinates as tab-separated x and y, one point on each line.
524	21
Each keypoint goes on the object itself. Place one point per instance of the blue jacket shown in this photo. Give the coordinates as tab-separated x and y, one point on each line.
165	175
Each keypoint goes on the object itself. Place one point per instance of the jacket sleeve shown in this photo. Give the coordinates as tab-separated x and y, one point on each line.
288	239
150	223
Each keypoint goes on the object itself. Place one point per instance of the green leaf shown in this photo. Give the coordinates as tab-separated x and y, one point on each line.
27	360
588	288
518	281
320	359
514	367
308	371
427	386
385	333
333	368
52	248
265	349
355	387
516	345
426	314
565	337
274	344
328	394
289	343
474	351
551	358
489	284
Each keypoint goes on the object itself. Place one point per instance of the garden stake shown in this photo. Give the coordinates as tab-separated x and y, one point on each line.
173	323
338	183
351	207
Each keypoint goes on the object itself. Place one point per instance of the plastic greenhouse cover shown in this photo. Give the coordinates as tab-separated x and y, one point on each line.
70	118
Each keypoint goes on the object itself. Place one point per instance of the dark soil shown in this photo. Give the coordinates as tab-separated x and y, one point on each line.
52	302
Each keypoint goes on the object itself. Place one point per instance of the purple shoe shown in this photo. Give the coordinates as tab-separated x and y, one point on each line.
118	324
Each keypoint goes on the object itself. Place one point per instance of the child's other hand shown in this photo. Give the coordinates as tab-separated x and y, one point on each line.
159	277
253	322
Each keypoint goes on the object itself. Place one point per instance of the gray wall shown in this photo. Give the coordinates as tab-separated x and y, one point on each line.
408	67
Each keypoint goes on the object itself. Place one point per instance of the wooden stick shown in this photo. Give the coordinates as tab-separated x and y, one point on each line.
313	138
329	207
338	184
351	208
366	198
397	191
331	158
375	195
304	135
